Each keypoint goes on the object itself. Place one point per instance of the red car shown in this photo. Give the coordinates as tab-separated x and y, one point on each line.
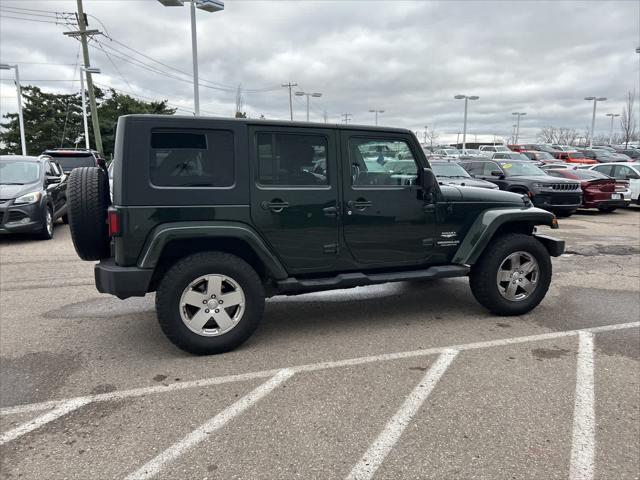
598	191
574	157
543	157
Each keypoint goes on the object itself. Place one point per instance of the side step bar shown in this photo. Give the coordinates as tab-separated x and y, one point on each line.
292	285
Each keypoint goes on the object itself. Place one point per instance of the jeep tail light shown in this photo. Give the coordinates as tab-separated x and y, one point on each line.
113	221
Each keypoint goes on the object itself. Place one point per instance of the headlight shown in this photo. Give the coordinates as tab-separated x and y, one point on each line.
542	186
28	198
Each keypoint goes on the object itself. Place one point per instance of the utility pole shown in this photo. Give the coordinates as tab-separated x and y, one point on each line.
346	117
426	130
290	86
83	33
325	115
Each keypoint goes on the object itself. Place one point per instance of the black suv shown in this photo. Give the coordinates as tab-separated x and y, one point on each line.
214	215
70	158
33	195
561	196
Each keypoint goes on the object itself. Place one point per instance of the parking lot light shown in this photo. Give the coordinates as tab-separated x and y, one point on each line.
210	6
84	70
519	114
593	118
376	112
466	103
23	142
315	95
612	115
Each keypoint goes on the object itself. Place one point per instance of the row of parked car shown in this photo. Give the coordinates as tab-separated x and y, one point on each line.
560	178
33	190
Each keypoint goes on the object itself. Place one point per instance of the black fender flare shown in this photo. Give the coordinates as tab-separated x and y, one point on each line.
167	232
488	222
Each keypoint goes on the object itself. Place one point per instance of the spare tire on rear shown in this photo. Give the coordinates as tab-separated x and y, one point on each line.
88	200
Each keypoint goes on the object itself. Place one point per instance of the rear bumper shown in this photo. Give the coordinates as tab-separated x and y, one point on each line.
123	282
554	246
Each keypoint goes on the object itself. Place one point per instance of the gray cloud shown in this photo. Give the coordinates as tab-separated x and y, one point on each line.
408	58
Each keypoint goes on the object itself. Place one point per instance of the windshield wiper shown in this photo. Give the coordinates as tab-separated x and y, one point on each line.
11	183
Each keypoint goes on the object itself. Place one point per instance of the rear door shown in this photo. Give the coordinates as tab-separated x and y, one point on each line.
385	219
294	201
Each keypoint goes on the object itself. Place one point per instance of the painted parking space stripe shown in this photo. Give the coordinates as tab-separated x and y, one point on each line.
118	395
59	411
584	422
384	443
154	466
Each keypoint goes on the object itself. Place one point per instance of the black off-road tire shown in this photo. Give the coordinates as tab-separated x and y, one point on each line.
181	274
482	278
44	233
65	219
88	200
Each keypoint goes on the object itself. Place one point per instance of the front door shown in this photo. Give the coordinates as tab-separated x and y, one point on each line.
386	221
294	201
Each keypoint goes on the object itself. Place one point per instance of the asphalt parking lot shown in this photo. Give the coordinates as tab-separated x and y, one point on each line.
408	380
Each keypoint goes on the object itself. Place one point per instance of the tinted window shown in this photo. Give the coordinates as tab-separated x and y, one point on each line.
191	158
623	172
377	162
474	168
74	161
292	160
606	169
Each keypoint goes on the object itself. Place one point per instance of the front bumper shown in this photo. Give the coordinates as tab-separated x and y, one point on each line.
21	219
558	201
554	246
123	282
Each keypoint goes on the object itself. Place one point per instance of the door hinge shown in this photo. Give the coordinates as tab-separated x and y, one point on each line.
331	248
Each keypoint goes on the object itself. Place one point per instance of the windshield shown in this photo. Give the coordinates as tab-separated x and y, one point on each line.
442	169
18	172
502	148
516	169
70	162
544	156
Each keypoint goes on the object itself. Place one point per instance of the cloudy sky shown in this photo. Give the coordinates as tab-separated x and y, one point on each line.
407	58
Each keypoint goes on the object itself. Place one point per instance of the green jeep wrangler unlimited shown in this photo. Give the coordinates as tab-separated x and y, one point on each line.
215	214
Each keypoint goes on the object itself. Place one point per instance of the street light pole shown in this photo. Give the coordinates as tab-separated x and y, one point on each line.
519	114
315	95
210	6
593	117
376	111
464	128
23	142
612	115
89	70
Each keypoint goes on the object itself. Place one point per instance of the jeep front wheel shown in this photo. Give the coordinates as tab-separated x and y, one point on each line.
512	276
209	303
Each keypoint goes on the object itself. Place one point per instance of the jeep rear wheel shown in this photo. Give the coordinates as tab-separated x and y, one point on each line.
209	303
512	276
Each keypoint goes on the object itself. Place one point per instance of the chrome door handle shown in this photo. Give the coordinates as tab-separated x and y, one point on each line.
360	204
276	205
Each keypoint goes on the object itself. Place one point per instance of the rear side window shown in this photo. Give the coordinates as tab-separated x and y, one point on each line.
202	158
292	160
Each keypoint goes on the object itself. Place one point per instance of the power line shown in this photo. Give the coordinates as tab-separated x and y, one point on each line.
55	22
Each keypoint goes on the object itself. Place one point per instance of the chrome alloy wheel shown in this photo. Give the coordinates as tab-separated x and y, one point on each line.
212	305
49	222
518	276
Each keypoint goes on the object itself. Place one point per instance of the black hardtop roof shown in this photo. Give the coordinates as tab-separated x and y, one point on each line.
275	123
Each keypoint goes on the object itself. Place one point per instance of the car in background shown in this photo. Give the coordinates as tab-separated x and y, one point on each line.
33	195
539	147
69	158
473	153
493	148
563	148
561	196
574	157
632	153
598	190
451	173
627	171
511	156
543	158
516	148
448	152
606	156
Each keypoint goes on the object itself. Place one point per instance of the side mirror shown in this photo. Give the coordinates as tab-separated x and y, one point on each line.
428	182
497	173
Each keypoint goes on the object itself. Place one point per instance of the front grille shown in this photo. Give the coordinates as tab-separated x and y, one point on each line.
565	200
15	216
565	186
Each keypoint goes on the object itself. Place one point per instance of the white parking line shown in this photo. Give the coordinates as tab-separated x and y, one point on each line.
380	448
151	468
31	425
583	443
136	392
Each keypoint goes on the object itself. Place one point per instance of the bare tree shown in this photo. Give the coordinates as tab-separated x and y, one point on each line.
431	135
240	103
548	134
628	119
